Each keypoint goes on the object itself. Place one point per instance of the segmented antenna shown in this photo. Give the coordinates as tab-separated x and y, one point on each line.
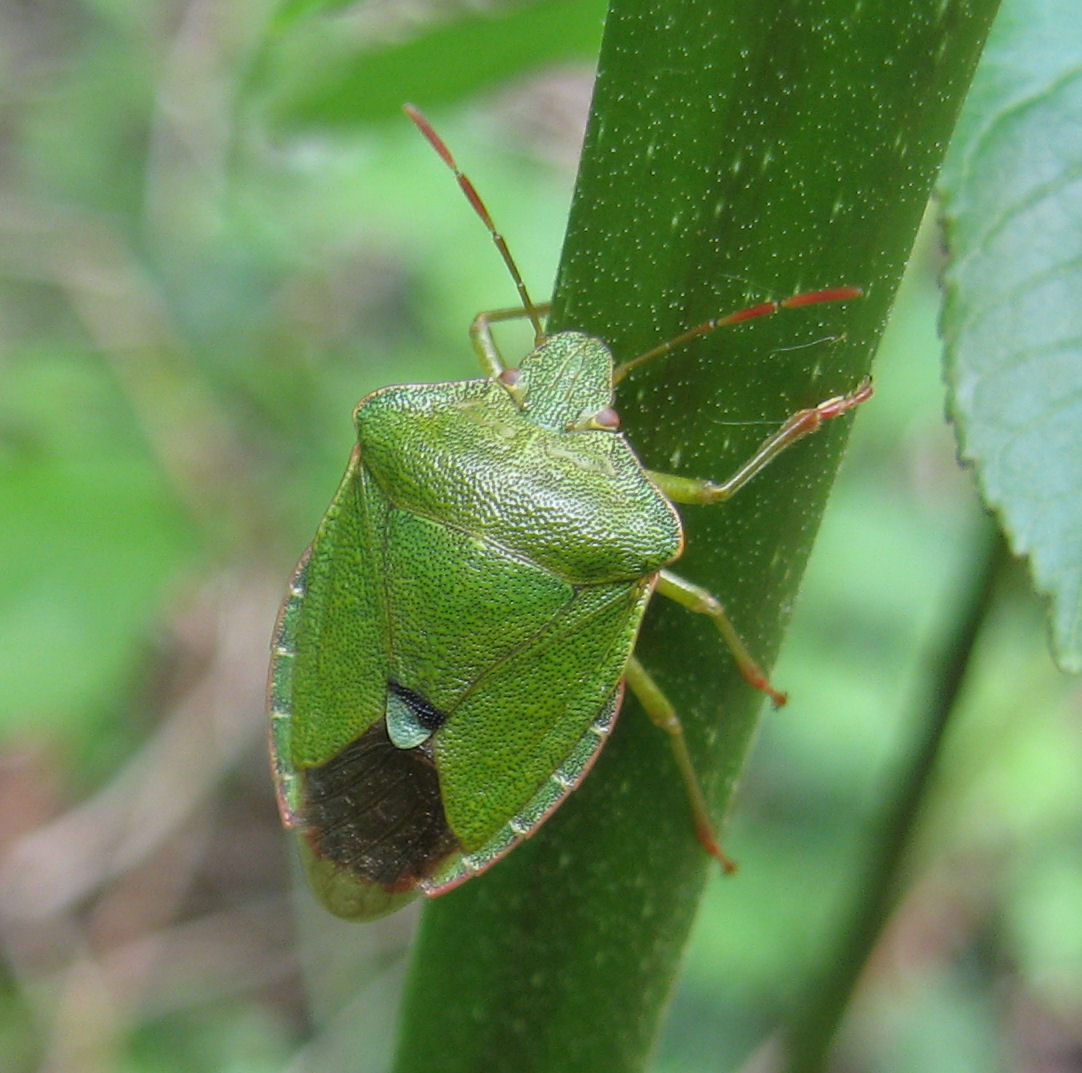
474	199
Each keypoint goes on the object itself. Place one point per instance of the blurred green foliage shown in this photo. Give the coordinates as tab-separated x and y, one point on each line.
192	300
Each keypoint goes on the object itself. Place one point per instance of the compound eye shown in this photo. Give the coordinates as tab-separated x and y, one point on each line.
512	380
606	420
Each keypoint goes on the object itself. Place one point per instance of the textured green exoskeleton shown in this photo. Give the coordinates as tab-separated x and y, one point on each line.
453	650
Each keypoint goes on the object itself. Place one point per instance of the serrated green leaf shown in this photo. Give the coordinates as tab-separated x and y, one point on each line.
1012	320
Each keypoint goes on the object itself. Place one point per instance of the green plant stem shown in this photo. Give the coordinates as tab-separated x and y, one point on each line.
735	150
811	1037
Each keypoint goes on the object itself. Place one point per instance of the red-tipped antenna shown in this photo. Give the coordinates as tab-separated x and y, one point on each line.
764	309
474	199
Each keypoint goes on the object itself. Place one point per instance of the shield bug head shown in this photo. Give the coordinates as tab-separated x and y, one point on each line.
454	647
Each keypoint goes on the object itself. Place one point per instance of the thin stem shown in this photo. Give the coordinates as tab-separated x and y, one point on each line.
811	1038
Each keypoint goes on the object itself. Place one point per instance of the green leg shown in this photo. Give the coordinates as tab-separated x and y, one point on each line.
663	715
702	602
483	343
801	424
693	490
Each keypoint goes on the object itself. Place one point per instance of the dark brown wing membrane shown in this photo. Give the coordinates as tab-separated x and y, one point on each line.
375	811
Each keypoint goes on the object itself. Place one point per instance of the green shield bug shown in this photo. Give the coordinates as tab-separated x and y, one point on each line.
454	646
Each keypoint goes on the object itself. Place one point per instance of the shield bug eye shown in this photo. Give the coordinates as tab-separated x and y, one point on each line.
606	419
512	380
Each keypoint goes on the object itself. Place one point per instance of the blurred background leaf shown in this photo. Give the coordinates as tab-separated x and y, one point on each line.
199	279
359	66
